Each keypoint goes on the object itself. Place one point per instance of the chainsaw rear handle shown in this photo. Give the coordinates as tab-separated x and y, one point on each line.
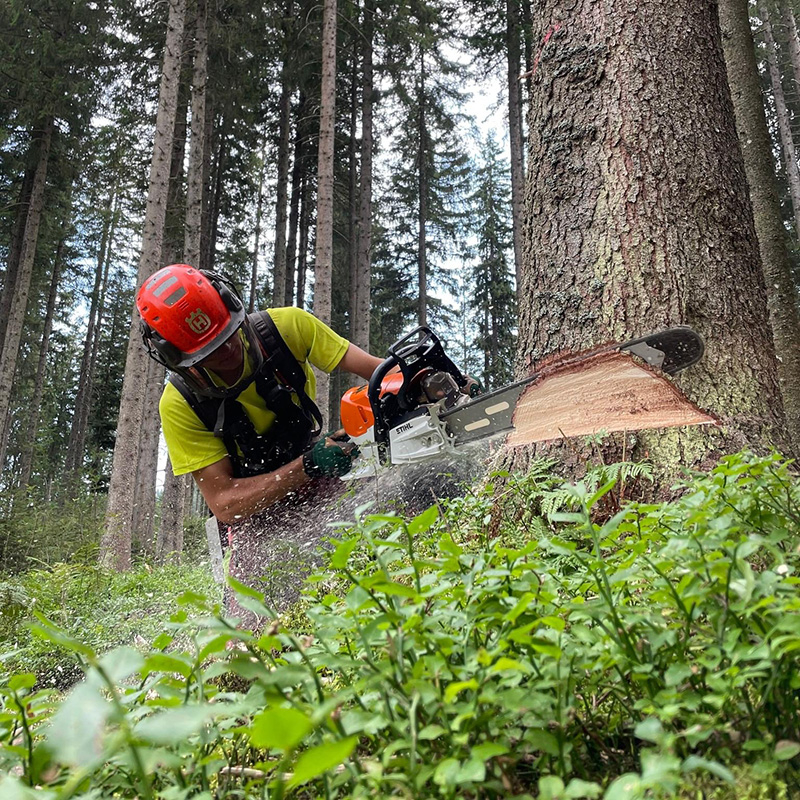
417	350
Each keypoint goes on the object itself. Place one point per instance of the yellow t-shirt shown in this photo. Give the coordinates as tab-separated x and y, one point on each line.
192	446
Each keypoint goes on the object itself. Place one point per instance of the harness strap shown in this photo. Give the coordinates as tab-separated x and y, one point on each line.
279	377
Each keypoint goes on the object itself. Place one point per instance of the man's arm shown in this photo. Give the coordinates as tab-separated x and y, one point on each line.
358	362
231	499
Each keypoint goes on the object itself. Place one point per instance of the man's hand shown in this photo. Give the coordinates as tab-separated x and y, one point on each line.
331	457
472	387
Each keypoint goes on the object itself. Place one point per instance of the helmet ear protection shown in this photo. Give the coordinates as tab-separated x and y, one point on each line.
168	354
226	288
158	348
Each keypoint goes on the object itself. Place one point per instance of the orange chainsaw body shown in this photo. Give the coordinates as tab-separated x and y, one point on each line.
356	411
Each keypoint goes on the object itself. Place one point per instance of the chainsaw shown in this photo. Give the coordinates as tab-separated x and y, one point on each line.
417	404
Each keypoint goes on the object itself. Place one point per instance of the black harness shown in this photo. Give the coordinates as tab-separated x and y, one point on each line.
279	379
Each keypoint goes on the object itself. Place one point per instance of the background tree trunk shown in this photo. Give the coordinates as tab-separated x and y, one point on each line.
83	398
29	441
637	212
323	267
423	154
515	137
115	545
197	147
362	277
751	123
22	284
15	248
782	113
282	188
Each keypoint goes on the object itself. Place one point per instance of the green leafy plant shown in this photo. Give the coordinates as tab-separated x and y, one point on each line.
636	655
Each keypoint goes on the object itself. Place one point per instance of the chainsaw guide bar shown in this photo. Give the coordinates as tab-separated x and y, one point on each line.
419	411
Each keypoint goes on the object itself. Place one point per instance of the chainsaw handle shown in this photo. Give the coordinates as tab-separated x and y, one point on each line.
418	350
381	428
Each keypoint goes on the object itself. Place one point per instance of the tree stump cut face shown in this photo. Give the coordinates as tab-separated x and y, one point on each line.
607	392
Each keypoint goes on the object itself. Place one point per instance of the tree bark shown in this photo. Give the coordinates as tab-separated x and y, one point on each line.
21	287
751	124
323	267
251	304
18	234
298	166
360	295
197	147
302	247
80	418
169	544
115	545
637	212
423	156
29	441
790	23
788	149
282	187
515	135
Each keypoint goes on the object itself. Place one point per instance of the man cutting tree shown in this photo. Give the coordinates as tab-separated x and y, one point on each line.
238	412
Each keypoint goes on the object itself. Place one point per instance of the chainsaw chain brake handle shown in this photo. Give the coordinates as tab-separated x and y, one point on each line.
420	349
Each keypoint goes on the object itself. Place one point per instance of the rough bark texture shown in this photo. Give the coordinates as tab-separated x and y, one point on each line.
12	265
751	124
515	137
21	288
788	150
360	299
323	267
115	545
194	178
637	215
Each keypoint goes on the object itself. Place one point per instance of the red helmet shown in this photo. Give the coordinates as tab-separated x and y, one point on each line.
187	314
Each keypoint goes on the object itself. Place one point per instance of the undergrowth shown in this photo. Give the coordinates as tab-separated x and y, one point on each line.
594	650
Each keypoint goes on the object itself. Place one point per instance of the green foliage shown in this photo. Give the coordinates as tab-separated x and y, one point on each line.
652	653
103	609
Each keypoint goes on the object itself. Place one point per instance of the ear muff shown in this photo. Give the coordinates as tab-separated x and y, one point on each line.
159	348
227	290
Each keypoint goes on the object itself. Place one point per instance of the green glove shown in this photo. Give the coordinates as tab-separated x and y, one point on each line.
329	458
475	388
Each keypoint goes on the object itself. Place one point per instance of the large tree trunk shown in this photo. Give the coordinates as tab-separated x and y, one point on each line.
362	277
323	267
21	287
754	138
515	135
115	545
788	149
637	211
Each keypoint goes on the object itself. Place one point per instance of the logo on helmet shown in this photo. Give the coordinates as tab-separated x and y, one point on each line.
199	321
